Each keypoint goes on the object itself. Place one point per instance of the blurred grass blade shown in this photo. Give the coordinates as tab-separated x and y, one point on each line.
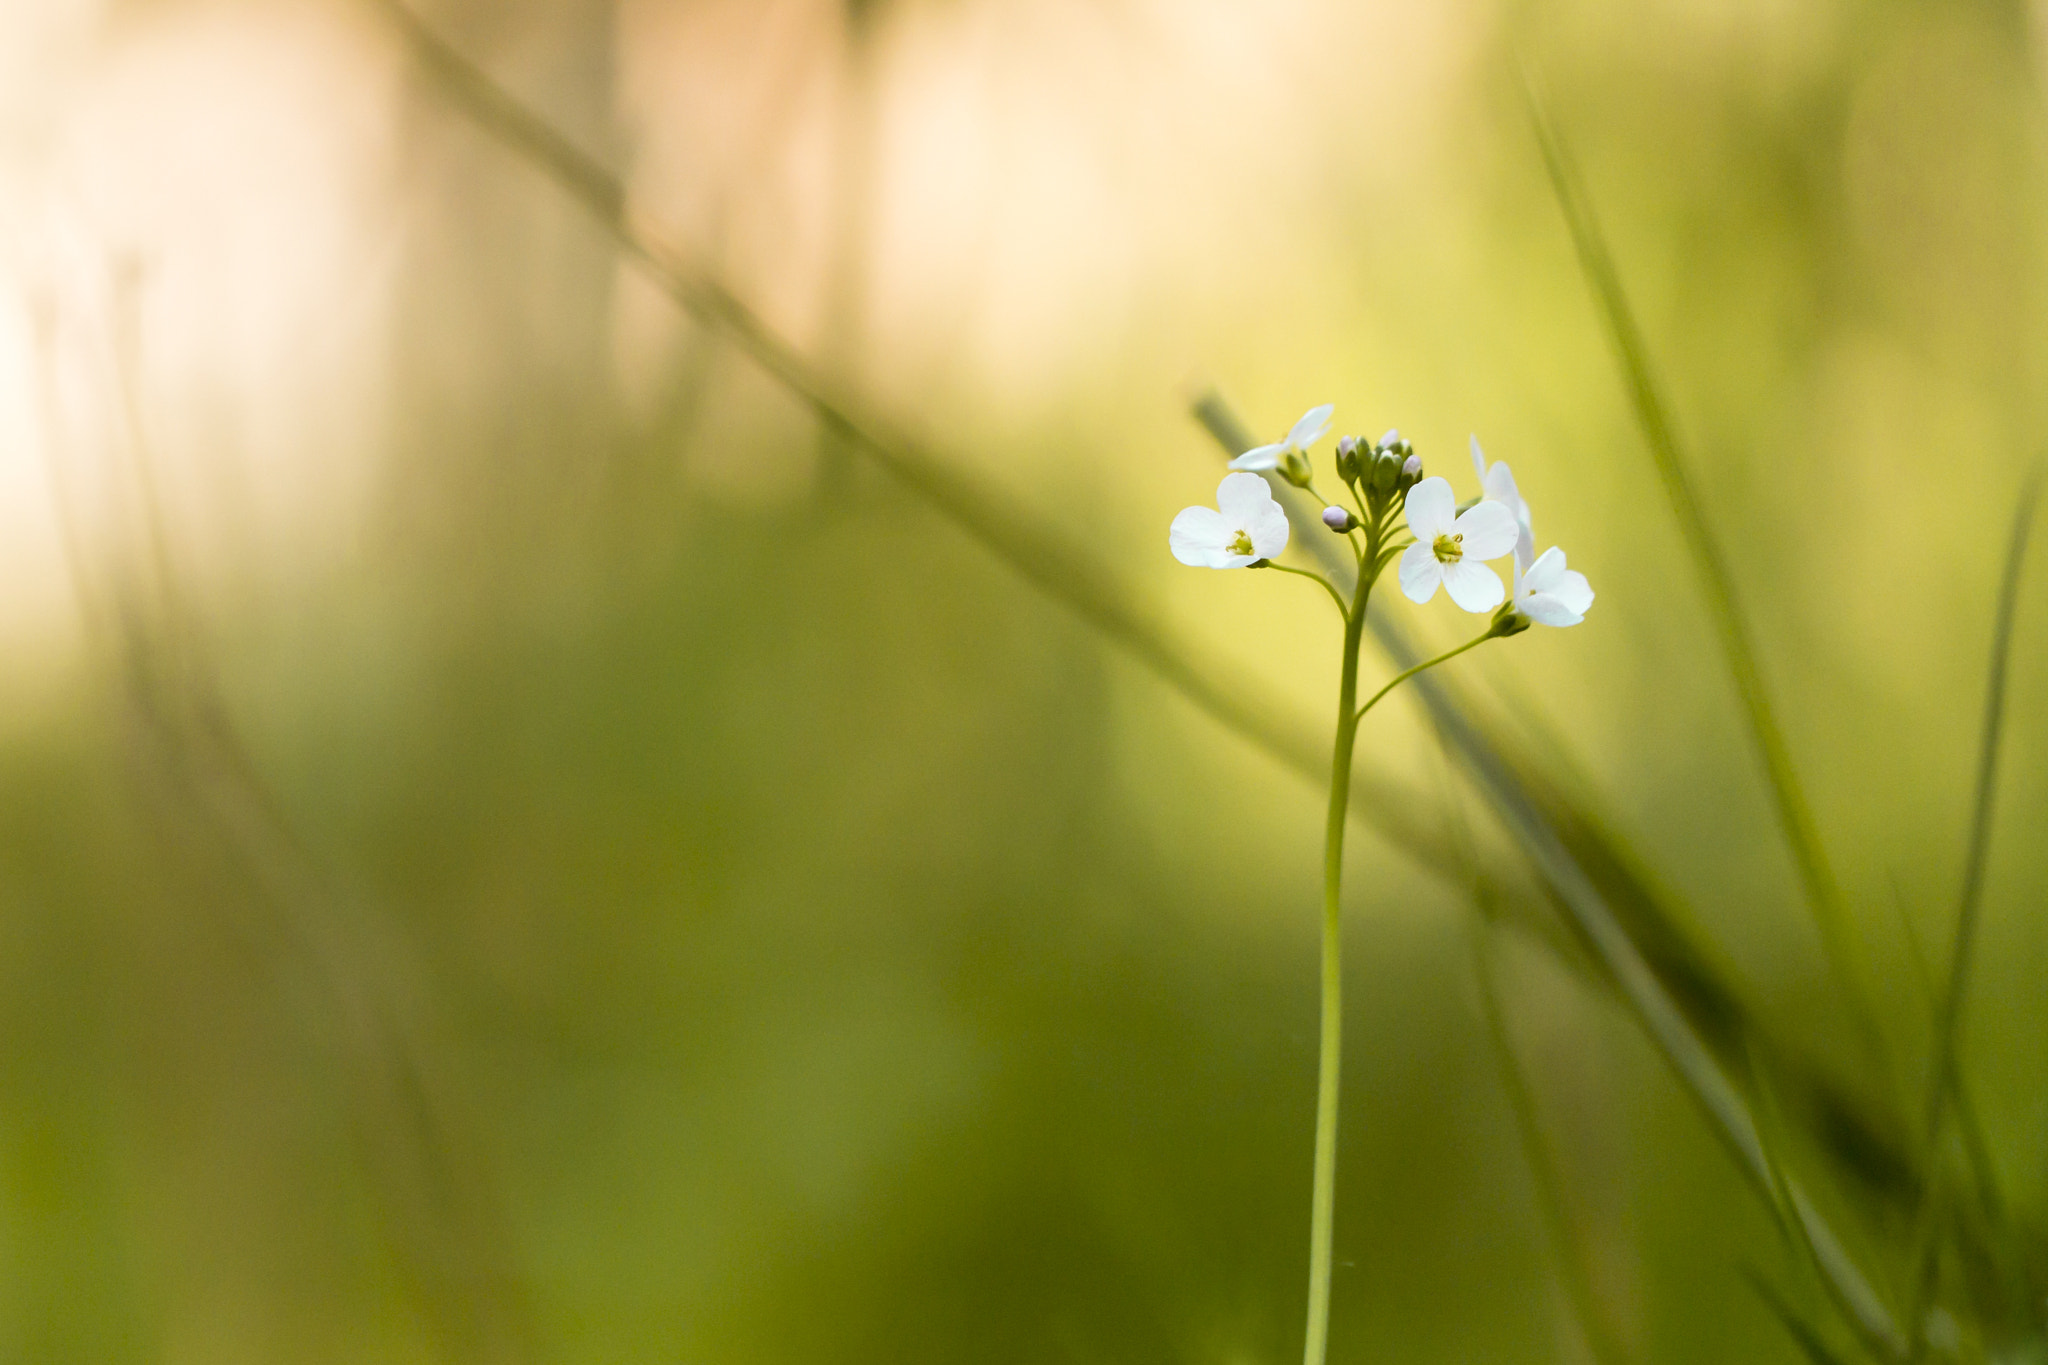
1795	814
1944	1085
1050	561
1566	1243
1804	1334
1971	898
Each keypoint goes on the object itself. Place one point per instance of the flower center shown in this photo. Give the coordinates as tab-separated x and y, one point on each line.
1449	549
1241	543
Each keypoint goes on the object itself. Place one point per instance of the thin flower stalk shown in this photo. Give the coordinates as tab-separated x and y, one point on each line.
1400	514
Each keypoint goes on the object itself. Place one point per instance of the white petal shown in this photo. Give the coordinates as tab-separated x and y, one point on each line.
1268	530
1241	497
1198	535
1420	572
1545	574
1478	459
1431	508
1260	457
1546	610
1499	483
1574	592
1489	530
1472	586
1311	427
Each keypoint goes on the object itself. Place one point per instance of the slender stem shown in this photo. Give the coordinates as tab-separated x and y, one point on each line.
1405	675
1324	1200
1328	586
1322	1217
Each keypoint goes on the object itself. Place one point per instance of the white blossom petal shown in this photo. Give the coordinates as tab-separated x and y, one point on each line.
1489	530
1198	537
1268	530
1420	572
1431	508
1546	610
1545	573
1311	427
1473	586
1260	457
1552	595
1574	592
1243	496
1478	460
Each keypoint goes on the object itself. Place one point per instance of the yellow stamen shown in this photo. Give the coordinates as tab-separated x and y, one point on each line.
1449	549
1241	543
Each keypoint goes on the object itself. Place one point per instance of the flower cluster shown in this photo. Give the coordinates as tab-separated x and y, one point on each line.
1445	545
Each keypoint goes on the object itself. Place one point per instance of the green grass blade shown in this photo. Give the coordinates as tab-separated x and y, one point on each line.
1567	1246
1945	1092
1804	1334
1795	813
1968	904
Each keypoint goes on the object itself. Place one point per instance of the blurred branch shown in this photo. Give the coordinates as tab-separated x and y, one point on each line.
1795	814
1044	557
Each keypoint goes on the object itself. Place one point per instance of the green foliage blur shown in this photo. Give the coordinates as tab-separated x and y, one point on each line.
518	843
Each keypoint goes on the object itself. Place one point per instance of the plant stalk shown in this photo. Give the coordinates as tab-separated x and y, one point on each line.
1324	1200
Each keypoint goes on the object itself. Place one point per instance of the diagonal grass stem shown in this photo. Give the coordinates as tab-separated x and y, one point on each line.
1795	812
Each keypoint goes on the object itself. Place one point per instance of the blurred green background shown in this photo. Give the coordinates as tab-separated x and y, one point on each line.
518	845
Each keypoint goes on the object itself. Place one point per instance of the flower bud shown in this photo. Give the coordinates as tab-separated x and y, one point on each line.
1411	473
1390	440
1385	469
1347	459
1339	520
1295	469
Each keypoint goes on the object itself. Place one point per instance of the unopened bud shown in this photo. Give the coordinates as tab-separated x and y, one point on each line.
1391	439
1347	458
1411	471
1385	469
1339	520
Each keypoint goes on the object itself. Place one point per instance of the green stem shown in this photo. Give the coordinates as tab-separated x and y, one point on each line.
1327	585
1402	677
1324	1200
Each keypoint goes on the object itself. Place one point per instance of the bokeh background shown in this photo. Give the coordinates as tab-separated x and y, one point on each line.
517	844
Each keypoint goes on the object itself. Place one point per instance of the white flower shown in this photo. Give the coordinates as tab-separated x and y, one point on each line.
1245	525
1550	594
1449	546
1499	486
1304	434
